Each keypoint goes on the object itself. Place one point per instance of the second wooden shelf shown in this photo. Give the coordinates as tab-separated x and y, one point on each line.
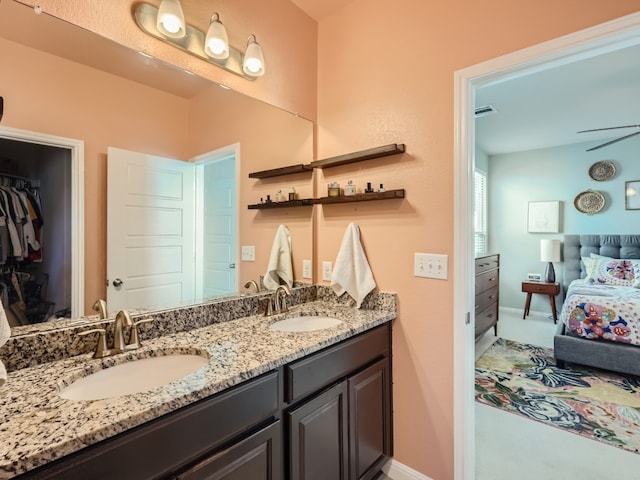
362	197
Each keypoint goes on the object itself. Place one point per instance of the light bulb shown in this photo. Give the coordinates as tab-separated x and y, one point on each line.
253	63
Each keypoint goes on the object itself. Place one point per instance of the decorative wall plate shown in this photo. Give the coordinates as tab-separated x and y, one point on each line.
602	171
589	202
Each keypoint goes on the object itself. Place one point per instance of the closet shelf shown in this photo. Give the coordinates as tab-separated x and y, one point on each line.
276	172
377	152
289	203
362	197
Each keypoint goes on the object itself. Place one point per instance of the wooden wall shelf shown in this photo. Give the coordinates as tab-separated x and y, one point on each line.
290	203
276	172
362	197
377	152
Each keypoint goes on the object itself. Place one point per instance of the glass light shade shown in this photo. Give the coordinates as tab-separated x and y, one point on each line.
170	21
216	44
253	63
549	250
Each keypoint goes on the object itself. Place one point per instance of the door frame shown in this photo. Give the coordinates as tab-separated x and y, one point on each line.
76	148
200	161
590	42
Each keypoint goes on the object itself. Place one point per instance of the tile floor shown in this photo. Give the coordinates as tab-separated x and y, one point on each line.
509	446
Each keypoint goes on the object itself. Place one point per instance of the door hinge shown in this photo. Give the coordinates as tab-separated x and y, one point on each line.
467	318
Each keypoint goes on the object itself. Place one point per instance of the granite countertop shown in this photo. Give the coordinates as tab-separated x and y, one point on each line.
38	426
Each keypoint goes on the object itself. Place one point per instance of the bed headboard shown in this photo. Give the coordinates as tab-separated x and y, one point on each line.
577	246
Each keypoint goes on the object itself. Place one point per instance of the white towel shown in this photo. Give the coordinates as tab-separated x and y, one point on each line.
5	333
351	272
280	266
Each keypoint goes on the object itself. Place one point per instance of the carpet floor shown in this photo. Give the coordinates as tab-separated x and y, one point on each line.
523	379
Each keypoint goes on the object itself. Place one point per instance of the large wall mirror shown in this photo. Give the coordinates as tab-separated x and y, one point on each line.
63	81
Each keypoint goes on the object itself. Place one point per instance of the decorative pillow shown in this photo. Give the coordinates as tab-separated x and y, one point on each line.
614	271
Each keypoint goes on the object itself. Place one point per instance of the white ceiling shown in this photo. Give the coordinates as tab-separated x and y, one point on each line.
547	108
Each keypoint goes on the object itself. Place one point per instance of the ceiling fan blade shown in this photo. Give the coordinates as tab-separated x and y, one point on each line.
613	141
608	128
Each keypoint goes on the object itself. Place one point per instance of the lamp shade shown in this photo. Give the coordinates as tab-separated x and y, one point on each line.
253	63
549	250
170	21
216	44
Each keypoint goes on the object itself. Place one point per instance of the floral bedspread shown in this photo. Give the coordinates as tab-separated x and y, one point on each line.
603	312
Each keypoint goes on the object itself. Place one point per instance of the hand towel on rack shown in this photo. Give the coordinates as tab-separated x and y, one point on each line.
352	273
5	333
280	266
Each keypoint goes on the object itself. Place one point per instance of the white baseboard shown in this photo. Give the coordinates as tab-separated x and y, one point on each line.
399	471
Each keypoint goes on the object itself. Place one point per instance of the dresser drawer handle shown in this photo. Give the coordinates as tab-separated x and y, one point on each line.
492	279
491	297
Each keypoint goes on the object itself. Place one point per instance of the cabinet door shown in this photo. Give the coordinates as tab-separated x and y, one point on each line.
318	437
369	420
254	458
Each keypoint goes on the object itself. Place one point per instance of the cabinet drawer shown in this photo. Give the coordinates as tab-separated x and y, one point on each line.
487	263
486	319
487	280
325	367
536	287
486	298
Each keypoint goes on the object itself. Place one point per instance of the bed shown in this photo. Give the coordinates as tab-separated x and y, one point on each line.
617	353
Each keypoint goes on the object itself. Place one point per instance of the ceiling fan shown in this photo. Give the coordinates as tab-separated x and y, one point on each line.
615	140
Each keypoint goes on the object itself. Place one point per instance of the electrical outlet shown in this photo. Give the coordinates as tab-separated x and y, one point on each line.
431	265
307	269
248	253
326	271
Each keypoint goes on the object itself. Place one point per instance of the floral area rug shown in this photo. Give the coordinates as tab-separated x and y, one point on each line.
596	404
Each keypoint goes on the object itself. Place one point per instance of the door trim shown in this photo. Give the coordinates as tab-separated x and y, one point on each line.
76	147
590	42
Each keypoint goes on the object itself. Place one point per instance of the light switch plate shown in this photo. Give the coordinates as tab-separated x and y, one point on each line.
307	269
248	253
431	265
326	271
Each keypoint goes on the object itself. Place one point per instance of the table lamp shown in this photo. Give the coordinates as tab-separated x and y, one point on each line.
550	252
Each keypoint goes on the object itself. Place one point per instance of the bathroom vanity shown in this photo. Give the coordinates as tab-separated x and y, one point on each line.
267	405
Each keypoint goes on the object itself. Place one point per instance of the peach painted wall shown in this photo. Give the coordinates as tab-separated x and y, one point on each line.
287	35
385	76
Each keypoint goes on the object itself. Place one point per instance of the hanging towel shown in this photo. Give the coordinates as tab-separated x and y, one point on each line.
351	272
5	332
280	266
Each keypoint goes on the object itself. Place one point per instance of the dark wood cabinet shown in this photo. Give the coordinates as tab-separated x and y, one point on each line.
254	458
344	432
487	288
318	436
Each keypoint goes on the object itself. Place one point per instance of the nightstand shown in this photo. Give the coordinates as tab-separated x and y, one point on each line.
550	289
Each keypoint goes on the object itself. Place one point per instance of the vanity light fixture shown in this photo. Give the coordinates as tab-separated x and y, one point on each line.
216	45
170	19
213	47
253	63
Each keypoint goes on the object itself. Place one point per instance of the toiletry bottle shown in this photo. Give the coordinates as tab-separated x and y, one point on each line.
268	200
350	188
381	189
333	189
369	188
279	197
292	194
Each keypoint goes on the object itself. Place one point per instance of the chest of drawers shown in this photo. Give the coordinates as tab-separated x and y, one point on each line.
487	288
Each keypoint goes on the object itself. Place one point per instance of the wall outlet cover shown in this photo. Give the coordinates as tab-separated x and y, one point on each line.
326	271
307	269
248	253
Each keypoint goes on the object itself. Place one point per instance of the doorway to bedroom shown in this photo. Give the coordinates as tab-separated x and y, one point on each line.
588	44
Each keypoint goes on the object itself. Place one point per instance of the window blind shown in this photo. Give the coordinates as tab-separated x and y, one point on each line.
480	213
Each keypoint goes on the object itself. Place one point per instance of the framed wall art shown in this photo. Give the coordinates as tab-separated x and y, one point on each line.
632	195
543	217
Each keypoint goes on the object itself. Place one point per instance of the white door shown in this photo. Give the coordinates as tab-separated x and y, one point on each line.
150	230
216	204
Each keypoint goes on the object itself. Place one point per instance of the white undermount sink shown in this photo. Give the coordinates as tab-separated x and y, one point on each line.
134	376
307	323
